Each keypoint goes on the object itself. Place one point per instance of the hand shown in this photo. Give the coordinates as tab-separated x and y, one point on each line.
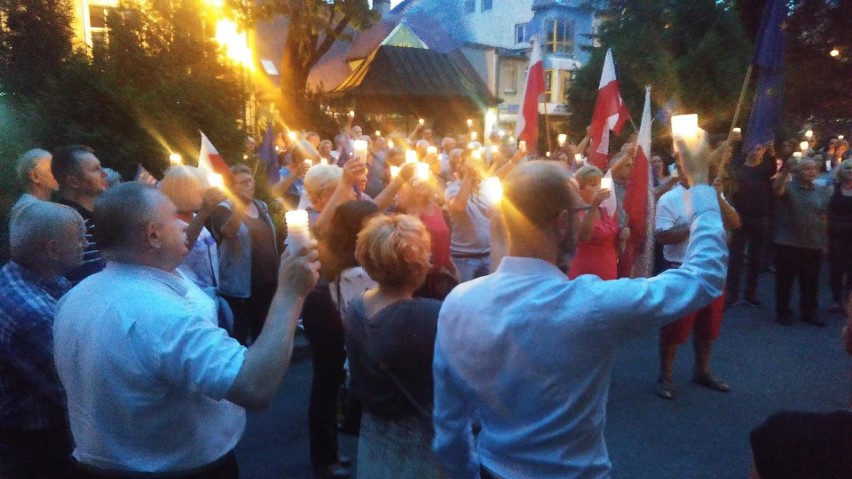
211	198
695	160
719	185
600	195
352	170
407	171
299	270
624	234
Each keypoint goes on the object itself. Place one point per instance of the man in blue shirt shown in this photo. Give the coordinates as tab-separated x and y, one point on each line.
526	353
46	241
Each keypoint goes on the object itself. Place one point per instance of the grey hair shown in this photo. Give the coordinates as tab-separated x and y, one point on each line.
35	222
121	213
27	163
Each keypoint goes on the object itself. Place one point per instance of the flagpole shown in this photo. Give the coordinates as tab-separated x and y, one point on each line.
740	102
547	125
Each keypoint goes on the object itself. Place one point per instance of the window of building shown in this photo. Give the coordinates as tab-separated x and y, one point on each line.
98	29
487	5
510	80
559	36
521	33
469	6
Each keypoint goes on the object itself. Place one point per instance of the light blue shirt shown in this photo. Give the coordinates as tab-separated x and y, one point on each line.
145	369
528	353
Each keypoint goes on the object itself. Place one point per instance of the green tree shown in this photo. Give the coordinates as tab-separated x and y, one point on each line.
692	52
313	28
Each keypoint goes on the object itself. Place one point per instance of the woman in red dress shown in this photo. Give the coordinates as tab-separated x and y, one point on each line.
597	249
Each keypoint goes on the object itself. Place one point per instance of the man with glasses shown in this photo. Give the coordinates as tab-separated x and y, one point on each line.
526	353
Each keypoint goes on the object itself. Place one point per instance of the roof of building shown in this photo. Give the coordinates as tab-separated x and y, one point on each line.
415	72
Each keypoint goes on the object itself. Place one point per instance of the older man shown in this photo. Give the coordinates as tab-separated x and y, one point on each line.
46	241
800	237
153	384
527	353
34	176
81	179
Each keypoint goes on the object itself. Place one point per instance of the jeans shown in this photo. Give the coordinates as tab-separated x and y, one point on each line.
472	267
753	233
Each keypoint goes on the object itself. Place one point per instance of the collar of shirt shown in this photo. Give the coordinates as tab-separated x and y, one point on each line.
55	287
529	266
169	278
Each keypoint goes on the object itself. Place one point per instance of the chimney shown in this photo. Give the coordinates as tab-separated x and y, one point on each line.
382	7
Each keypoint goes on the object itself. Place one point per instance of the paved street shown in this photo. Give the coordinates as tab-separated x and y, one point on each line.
701	434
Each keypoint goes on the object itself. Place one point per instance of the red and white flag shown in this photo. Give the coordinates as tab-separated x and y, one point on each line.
610	114
638	258
209	159
526	129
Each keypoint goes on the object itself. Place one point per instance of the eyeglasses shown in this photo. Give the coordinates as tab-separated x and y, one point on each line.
246	181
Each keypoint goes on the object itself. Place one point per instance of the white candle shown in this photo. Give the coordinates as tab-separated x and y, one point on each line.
308	163
431	150
685	126
797	155
323	161
421	121
423	171
738	130
175	159
390	143
292	136
578	158
474	135
411	156
394	171
840	137
476	154
827	165
298	231
809	134
804	146
522	145
606	183
562	138
351	114
492	190
547	154
495	149
216	180
378	133
361	149
469	123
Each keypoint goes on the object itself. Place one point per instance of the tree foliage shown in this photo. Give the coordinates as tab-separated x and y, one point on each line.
693	53
313	28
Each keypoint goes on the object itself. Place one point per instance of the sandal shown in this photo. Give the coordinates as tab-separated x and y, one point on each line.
665	389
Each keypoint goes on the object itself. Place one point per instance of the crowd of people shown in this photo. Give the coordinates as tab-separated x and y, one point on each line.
473	326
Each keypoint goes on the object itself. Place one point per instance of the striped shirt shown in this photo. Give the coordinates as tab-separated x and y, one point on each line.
92	260
31	396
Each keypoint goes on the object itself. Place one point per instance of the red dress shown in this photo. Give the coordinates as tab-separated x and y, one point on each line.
440	234
599	255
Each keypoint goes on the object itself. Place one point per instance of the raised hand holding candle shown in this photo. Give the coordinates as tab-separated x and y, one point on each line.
216	180
578	158
298	231
606	183
809	134
431	150
804	146
411	156
469	123
522	145
351	114
562	139
492	190
421	122
476	154
474	135
394	171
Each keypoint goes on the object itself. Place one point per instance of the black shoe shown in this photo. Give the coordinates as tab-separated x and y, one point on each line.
814	320
331	471
752	300
710	381
784	319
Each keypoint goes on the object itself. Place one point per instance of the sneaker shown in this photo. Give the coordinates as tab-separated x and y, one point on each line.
708	380
665	389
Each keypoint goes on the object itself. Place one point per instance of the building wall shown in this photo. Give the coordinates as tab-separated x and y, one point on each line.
496	27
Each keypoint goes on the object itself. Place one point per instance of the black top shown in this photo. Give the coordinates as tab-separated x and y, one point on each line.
402	336
92	259
840	212
752	195
264	257
804	445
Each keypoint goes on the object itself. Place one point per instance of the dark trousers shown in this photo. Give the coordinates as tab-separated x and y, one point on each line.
793	263
224	468
839	262
250	313
751	233
324	331
36	454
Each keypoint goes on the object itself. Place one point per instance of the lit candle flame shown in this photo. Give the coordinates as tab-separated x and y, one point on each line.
804	146
431	150
562	139
175	159
423	171
492	189
394	171
216	180
411	156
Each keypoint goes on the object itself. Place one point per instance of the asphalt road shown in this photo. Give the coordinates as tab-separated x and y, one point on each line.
700	434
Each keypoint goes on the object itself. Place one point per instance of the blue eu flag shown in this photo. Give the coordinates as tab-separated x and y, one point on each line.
269	156
768	61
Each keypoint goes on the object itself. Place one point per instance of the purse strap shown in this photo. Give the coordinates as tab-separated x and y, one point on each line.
421	411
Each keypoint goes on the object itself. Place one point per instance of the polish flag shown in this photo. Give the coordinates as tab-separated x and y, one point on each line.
610	114
209	159
638	258
526	128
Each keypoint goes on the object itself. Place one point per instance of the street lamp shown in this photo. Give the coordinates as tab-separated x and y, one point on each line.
834	52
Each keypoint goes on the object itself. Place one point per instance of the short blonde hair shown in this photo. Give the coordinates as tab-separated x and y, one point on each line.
586	174
395	250
184	185
321	178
